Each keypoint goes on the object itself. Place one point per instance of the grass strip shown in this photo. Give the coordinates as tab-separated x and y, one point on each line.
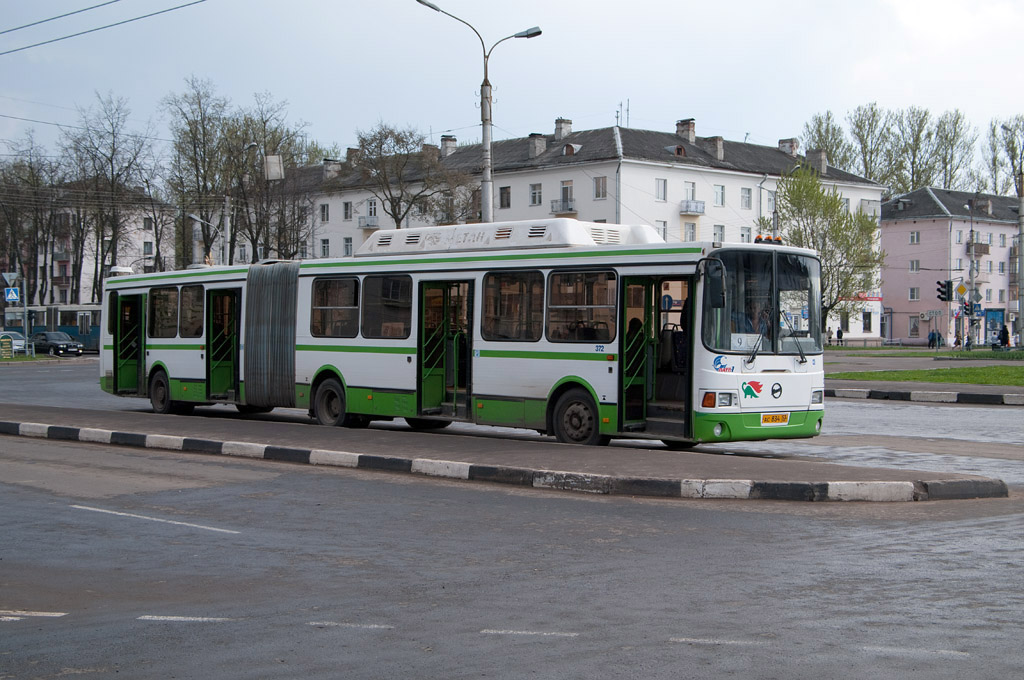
968	375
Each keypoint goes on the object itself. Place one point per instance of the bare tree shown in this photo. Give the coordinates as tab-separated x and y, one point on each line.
994	176
955	139
870	130
912	159
1012	136
824	133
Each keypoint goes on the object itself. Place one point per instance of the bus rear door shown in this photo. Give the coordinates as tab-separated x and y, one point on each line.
445	385
222	343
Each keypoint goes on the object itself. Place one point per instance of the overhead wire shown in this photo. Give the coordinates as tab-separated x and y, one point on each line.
60	16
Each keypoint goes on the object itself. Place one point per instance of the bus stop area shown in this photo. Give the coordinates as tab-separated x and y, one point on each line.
485	455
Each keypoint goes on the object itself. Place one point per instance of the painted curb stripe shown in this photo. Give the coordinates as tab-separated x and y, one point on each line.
926	396
879	491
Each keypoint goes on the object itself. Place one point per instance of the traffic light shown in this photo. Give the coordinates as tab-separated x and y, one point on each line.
967	308
945	290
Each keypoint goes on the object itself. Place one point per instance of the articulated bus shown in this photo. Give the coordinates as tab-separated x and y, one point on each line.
585	331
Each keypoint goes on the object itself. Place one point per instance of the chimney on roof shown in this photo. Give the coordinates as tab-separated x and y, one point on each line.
818	159
538	144
448	144
789	146
563	128
351	154
716	146
331	168
687	129
431	150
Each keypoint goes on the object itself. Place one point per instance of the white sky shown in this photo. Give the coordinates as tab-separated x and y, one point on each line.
738	67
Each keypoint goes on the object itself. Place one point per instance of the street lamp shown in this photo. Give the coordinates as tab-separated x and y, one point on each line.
486	188
216	233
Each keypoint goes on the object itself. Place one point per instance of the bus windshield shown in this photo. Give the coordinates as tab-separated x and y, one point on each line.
772	305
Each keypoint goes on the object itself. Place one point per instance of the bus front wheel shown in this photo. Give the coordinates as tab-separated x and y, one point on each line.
329	404
576	420
160	394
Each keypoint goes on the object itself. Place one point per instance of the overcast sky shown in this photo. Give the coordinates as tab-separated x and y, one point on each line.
739	67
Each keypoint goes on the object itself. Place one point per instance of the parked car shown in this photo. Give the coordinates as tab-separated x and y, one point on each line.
56	343
17	341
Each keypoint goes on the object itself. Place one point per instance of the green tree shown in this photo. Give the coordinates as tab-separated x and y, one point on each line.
912	159
870	130
813	216
955	139
823	132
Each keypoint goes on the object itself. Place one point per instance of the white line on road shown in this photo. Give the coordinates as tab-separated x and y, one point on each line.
184	619
904	651
336	624
717	641
489	631
19	612
154	519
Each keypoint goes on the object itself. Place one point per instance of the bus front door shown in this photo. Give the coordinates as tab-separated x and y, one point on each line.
655	356
222	344
129	366
445	344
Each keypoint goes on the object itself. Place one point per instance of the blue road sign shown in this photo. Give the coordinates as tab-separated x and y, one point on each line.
12	294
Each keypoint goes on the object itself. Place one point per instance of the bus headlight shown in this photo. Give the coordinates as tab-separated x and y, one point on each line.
817	396
725	398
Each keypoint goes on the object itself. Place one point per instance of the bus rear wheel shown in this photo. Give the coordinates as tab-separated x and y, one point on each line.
329	403
160	394
576	420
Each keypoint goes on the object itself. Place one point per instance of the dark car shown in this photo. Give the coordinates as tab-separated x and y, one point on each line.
56	343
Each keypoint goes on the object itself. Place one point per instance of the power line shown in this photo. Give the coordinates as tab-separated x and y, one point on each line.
93	30
61	16
80	127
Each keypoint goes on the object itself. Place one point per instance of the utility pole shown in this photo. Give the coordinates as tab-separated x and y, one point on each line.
1020	257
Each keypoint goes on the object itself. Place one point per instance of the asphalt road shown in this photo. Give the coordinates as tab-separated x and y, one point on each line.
120	562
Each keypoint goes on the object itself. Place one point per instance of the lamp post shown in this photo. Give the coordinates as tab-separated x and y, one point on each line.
1016	155
216	233
486	182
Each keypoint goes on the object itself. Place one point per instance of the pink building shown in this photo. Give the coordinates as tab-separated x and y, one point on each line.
930	235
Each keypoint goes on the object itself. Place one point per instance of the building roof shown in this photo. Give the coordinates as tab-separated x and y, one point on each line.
933	203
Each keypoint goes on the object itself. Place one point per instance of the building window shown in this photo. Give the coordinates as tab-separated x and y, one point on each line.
719	195
371	207
746	198
1002	240
771	203
915	266
959	235
325	247
988	295
504	197
600	188
1002	267
662	227
913	327
690	190
990	266
346	210
690	231
242	256
147	224
660	189
745	235
865	321
147	248
846	204
325	212
346	245
959	264
1002	295
62	294
990	238
719	232
536	195
303	251
844	321
915	237
915	294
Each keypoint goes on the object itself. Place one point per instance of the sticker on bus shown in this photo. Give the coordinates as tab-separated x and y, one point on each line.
775	419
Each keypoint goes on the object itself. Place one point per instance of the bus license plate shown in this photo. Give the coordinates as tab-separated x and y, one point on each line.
775	419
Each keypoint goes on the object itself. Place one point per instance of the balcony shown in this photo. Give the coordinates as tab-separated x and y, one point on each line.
977	249
691	208
370	222
60	281
563	206
61	256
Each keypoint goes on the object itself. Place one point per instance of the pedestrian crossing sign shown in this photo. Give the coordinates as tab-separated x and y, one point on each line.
12	294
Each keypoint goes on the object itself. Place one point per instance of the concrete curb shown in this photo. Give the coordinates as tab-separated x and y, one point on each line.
926	396
747	489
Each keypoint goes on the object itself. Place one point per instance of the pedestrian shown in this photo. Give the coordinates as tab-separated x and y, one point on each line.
956	340
839	336
967	342
931	339
1004	336
830	335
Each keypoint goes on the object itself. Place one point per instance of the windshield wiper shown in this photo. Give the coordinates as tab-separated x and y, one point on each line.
761	328
792	334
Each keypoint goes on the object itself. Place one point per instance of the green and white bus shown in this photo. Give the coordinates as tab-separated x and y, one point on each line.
585	331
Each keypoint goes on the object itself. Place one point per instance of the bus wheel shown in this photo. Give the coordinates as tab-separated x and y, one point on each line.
673	445
329	404
249	409
160	393
576	420
427	423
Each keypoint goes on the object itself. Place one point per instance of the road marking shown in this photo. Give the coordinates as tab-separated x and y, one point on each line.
916	652
717	641
20	613
154	519
336	624
184	619
489	631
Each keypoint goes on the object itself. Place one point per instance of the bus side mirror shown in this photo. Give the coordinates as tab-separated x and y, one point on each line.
714	284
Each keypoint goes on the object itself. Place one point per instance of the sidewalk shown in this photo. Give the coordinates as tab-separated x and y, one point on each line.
656	472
